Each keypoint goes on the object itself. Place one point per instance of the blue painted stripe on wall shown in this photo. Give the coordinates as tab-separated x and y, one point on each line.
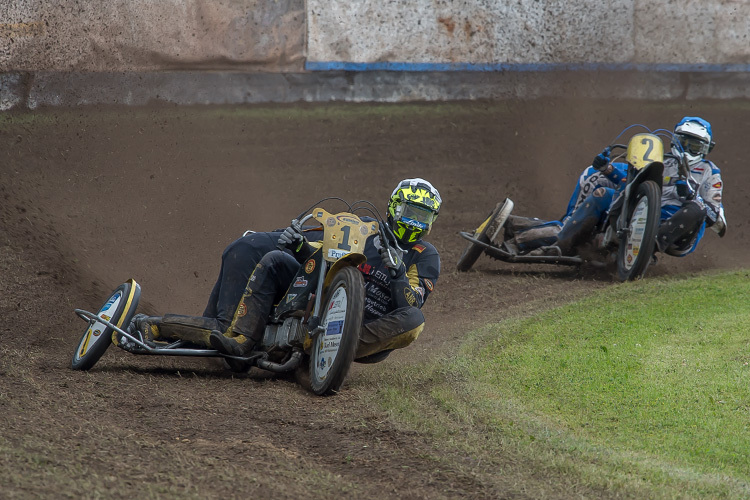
404	66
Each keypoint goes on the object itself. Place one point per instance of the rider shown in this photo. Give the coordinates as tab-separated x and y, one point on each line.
691	194
596	186
237	262
395	288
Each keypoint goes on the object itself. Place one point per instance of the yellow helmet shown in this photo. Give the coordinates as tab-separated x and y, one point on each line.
413	207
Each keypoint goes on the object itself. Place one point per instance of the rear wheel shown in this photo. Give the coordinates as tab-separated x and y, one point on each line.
485	233
333	349
118	309
637	246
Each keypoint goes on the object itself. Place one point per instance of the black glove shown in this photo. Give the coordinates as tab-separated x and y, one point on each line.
601	160
392	260
292	237
683	190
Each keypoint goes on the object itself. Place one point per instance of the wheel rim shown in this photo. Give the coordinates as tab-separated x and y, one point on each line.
328	342
637	230
96	330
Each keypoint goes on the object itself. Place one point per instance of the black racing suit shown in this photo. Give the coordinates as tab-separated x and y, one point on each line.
392	316
237	264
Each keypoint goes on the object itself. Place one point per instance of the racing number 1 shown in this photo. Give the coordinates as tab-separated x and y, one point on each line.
344	245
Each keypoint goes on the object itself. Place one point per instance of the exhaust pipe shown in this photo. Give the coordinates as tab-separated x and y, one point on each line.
290	364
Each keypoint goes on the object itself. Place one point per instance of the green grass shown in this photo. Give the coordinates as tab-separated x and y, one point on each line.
642	388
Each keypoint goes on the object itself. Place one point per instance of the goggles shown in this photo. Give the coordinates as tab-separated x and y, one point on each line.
415	216
692	145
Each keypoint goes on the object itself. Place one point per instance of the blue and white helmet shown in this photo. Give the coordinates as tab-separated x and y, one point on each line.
693	139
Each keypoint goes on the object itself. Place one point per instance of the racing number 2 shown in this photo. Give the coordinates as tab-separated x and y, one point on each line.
647	141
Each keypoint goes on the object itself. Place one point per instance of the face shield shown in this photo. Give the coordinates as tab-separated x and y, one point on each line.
415	216
692	145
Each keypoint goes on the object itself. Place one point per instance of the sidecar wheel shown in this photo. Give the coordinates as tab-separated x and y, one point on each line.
637	248
485	233
333	350
118	309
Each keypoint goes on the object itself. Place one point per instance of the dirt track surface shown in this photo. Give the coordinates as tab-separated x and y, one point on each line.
92	197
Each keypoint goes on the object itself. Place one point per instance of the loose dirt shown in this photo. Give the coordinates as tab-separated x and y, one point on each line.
91	197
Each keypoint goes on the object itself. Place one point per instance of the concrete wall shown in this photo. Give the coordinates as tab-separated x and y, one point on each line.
530	31
270	35
73	52
147	35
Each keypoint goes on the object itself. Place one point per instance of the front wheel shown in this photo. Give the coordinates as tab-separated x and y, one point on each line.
118	309
637	246
485	233
333	349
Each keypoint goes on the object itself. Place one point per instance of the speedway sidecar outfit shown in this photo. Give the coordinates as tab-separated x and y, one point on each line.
392	316
393	296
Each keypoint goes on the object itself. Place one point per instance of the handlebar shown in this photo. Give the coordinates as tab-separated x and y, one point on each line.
391	265
297	224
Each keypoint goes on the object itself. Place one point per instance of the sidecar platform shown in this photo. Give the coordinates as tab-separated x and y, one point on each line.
500	254
136	345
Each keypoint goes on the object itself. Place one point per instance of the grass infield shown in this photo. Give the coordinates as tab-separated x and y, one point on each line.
643	387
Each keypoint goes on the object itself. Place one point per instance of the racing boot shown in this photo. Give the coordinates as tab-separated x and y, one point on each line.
240	345
143	327
245	331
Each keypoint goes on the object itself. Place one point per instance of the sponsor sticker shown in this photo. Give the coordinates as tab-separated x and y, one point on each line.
290	297
335	253
310	266
300	282
330	222
428	284
241	310
717	185
409	295
335	327
348	220
413	223
334	303
112	301
419	248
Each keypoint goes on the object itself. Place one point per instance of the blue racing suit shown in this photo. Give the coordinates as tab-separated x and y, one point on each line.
534	233
688	206
590	203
